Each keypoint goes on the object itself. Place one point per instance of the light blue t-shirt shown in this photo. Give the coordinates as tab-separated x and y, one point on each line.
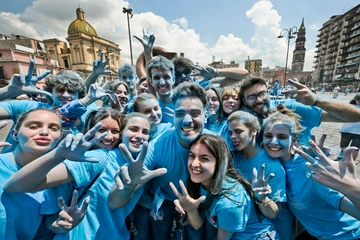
20	216
165	117
217	128
158	130
166	152
235	213
283	221
317	206
100	222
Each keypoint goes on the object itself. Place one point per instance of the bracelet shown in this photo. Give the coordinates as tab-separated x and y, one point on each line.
317	100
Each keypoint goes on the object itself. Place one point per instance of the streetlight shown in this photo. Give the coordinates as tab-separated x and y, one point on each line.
291	34
128	12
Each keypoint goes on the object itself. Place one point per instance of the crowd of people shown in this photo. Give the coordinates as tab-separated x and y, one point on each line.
185	152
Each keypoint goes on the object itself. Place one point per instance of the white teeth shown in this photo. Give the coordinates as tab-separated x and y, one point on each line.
107	143
196	171
274	149
187	129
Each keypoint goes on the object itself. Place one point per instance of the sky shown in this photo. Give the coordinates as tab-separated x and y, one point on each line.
229	30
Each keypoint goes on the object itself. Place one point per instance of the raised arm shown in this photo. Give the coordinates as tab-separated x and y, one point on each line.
185	204
23	84
98	69
333	110
338	175
148	41
262	190
49	170
130	177
224	77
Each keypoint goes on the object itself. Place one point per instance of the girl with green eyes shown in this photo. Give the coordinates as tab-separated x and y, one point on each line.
243	129
148	105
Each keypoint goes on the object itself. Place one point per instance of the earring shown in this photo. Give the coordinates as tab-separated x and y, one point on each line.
292	150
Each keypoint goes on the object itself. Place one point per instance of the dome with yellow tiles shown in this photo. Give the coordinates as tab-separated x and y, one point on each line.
80	25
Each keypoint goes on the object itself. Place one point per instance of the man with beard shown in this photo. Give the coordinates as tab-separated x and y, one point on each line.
171	151
312	109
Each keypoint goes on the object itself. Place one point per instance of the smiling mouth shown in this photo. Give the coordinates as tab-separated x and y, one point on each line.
107	143
187	129
196	171
137	143
275	149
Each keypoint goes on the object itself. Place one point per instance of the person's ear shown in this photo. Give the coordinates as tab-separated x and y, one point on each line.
15	135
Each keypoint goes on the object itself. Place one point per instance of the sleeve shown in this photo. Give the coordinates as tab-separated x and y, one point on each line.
84	172
16	108
327	194
70	112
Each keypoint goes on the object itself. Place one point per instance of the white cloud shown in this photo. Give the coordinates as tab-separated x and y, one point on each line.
314	27
182	21
42	20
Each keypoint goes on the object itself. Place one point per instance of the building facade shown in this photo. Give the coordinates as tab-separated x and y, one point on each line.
337	57
78	53
254	66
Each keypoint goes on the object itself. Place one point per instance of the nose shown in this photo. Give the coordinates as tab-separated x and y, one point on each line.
66	94
162	81
195	162
188	119
139	136
44	131
274	141
153	114
109	135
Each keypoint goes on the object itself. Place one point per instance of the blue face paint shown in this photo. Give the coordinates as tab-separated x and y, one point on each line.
278	140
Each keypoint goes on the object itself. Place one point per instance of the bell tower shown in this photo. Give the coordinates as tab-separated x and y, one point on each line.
300	50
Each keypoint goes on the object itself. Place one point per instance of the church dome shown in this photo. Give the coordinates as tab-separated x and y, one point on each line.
80	25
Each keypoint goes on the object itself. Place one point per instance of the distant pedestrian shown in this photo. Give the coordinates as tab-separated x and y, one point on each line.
350	132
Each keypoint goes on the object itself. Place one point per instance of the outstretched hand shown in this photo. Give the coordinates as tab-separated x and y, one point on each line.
301	93
71	216
325	149
73	147
26	84
337	175
185	204
96	91
261	185
134	173
206	72
99	65
147	40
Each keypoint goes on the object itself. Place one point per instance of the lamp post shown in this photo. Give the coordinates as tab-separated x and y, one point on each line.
291	34
128	12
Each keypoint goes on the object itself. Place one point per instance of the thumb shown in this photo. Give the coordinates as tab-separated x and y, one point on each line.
201	199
